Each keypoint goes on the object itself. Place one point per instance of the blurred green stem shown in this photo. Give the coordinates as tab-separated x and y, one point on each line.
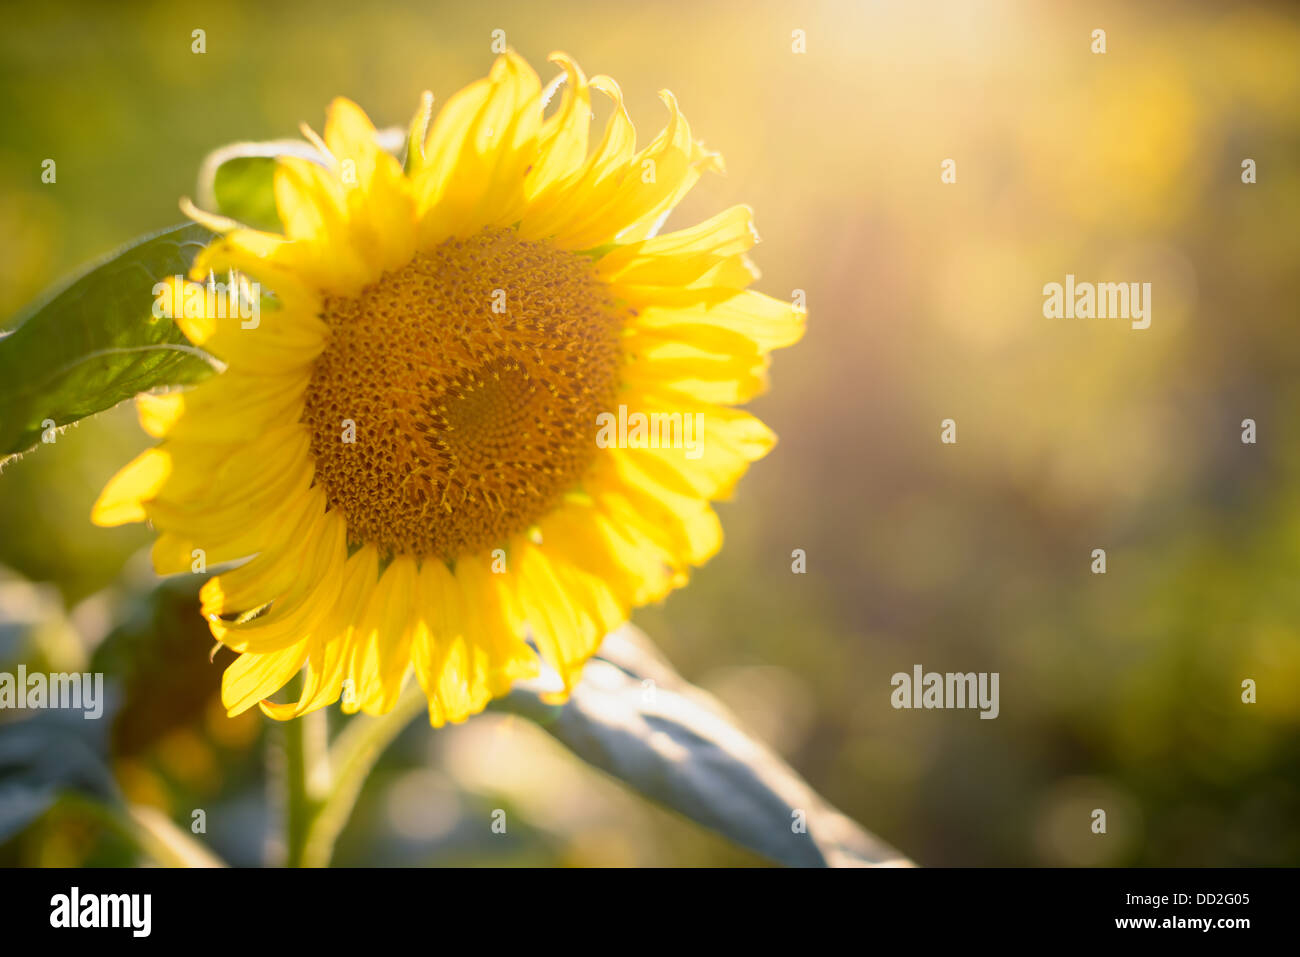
148	829
306	778
351	759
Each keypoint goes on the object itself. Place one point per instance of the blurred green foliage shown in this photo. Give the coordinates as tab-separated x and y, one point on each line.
1119	691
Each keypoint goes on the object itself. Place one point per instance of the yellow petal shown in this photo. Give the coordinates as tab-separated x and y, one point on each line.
682	257
382	646
480	155
566	623
136	482
562	142
305	603
250	678
380	205
769	323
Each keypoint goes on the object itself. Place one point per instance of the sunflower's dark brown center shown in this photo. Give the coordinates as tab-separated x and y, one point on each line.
456	400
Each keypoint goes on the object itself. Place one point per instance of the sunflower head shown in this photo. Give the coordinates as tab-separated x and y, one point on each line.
411	459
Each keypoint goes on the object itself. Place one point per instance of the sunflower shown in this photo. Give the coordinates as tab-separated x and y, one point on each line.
402	450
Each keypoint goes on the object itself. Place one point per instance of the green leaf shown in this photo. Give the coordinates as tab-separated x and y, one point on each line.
96	342
242	191
53	758
635	718
238	180
46	755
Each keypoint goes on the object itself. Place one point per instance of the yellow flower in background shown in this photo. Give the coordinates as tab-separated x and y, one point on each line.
406	441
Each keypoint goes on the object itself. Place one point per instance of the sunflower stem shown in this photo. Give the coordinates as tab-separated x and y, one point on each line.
148	829
352	757
306	779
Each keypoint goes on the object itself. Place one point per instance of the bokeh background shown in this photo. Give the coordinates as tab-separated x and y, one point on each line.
1119	691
